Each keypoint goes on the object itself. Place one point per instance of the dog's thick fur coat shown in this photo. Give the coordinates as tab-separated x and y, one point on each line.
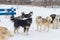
42	21
54	20
5	33
20	22
24	23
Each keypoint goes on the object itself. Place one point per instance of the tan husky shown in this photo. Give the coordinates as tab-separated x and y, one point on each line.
43	22
5	33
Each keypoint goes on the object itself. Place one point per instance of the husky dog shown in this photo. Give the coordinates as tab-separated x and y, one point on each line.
5	33
53	16
54	20
43	21
22	23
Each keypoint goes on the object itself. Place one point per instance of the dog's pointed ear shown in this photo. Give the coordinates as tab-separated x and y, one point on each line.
23	13
31	13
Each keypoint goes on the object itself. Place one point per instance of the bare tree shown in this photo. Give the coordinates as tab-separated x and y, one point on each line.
45	3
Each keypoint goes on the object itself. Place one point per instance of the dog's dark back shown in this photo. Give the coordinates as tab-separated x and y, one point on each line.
23	23
53	16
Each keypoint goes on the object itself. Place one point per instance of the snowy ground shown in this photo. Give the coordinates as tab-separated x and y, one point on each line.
53	34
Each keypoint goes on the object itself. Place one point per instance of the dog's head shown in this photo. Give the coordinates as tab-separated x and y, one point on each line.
49	18
53	16
27	15
4	33
38	18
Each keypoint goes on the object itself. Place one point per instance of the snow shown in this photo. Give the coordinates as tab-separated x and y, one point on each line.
53	34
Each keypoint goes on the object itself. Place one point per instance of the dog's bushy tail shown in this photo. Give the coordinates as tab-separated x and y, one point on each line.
12	18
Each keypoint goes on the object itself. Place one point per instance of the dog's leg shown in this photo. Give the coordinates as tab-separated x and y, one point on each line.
48	27
37	27
15	30
26	30
53	25
44	28
40	28
56	25
18	30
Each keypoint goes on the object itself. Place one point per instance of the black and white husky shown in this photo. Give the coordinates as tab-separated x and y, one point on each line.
54	20
19	22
